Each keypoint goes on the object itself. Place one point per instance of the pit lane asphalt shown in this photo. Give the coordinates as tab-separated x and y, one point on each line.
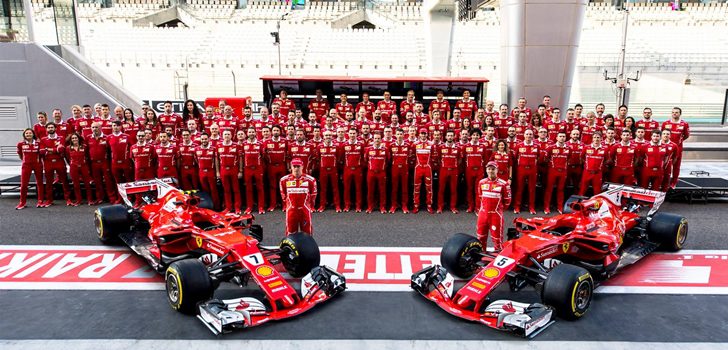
353	315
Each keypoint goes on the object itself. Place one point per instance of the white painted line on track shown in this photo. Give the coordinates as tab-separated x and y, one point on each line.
161	344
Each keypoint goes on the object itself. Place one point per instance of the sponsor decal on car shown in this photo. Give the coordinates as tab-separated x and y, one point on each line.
264	271
491	272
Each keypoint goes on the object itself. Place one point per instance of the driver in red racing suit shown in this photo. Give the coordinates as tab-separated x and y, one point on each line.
495	195
298	192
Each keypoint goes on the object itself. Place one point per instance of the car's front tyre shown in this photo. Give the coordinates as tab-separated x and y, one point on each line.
187	283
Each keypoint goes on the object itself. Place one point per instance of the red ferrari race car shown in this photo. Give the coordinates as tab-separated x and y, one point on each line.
197	249
564	257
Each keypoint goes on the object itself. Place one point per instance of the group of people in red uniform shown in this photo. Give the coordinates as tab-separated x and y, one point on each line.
389	148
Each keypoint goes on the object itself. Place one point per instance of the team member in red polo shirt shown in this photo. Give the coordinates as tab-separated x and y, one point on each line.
408	104
576	167
554	125
286	104
329	154
557	157
275	153
171	119
298	192
205	158
365	105
652	156
440	104
647	123
188	172
679	132
40	127
401	155
53	153
502	122
670	157
377	157
253	162
593	157
503	156
450	157
302	150
343	107
230	171
166	155
527	154
474	153
319	106
388	107
467	106
143	156
353	152
424	150
29	152
77	157
494	195
623	157
98	149
119	144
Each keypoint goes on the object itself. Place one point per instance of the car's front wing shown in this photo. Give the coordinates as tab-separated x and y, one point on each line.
527	320
223	316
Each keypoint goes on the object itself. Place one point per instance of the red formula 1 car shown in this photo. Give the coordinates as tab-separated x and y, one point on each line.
563	257
197	249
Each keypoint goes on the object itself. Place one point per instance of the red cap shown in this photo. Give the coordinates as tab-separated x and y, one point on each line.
492	163
296	162
423	130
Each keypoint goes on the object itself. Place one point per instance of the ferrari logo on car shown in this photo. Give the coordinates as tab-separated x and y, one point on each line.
198	240
565	247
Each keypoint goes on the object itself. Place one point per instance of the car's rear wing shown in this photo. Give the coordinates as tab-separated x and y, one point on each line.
161	186
622	195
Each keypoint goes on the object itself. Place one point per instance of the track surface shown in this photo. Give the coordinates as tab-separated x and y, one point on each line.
354	315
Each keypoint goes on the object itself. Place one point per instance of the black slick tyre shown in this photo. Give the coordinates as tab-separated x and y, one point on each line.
458	254
569	290
187	283
110	221
299	254
669	230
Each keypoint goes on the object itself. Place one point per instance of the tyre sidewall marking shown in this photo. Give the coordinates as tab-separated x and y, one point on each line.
171	271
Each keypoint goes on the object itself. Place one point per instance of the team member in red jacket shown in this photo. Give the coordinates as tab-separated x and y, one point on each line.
474	153
653	156
205	158
329	155
624	157
298	192
593	158
494	196
319	106
142	155
557	158
302	150
401	155
527	154
450	158
53	153
353	152
166	155
376	157
253	161
119	146
230	170
29	153
679	132
98	150
77	157
188	172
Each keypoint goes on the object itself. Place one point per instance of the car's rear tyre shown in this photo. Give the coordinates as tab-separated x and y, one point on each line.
569	290
187	283
669	230
299	254
110	221
458	254
572	199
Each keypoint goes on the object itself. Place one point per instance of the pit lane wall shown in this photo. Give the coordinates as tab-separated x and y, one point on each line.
365	268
